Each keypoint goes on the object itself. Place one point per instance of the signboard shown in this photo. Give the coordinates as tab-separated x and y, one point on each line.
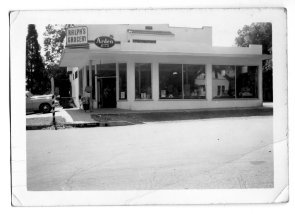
104	42
77	36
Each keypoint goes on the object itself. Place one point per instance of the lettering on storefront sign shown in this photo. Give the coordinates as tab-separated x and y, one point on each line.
104	42
77	36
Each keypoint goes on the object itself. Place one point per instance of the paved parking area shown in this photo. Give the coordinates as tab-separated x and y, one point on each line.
192	154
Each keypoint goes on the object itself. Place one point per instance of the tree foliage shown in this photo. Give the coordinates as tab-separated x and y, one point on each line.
259	33
256	33
37	79
54	37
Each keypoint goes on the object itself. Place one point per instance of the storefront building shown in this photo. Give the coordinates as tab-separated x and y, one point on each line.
156	67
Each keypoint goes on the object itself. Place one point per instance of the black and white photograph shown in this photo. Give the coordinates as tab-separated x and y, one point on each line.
130	107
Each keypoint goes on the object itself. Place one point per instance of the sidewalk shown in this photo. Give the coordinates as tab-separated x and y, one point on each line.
76	117
114	114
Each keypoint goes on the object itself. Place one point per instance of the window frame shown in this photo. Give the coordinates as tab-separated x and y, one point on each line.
126	95
236	97
151	84
182	82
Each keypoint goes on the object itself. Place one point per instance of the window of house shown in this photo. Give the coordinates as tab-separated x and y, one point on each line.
143	81
223	83
247	81
170	79
122	81
194	81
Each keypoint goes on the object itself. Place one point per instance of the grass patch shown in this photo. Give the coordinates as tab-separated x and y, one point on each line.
44	121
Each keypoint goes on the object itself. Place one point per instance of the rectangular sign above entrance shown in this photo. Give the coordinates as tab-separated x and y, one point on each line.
77	36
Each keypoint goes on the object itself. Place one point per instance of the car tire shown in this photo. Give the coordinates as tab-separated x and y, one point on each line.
45	108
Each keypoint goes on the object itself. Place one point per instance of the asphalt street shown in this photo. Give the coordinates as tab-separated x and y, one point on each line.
192	154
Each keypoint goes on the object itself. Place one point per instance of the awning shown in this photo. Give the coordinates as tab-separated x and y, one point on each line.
81	57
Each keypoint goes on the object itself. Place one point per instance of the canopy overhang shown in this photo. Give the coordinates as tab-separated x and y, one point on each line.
81	57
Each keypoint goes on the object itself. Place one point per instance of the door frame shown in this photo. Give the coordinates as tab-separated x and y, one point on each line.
99	83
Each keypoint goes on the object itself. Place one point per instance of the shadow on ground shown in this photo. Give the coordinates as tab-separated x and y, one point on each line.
138	117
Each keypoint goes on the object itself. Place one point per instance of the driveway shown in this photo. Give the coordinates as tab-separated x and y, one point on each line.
191	154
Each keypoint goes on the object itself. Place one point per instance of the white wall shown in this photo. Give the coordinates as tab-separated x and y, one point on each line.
181	34
75	86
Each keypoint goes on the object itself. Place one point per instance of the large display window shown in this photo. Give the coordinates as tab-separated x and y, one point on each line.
182	81
170	78
194	81
231	82
122	81
143	81
247	81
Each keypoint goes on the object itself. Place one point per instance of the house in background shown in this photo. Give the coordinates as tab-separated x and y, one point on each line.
153	67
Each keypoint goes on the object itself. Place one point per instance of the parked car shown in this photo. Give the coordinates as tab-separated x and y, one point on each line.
41	103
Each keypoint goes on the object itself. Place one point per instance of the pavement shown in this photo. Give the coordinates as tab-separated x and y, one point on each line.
76	116
192	154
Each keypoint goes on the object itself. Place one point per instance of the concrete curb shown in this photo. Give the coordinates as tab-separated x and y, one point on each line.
80	125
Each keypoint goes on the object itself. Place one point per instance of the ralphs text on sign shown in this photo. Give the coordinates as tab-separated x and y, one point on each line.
77	35
104	42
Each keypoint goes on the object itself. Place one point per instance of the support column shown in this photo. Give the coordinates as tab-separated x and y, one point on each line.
155	81
209	82
260	82
96	95
90	84
84	79
117	81
130	81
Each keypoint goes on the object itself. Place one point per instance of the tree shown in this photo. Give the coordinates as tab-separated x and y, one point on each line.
36	79
260	33
53	47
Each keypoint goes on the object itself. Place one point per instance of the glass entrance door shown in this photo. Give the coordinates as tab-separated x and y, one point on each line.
108	92
106	85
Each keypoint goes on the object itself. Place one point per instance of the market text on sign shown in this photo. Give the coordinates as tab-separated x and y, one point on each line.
77	39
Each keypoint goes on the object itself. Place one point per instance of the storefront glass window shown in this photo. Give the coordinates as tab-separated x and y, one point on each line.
247	81
143	83
223	81
194	84
122	81
170	79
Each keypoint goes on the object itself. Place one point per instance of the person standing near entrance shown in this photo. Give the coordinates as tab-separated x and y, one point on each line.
86	101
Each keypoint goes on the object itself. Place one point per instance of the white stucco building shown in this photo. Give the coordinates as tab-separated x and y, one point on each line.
149	67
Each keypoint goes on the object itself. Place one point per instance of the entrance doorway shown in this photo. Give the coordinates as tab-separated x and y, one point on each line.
106	85
107	92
